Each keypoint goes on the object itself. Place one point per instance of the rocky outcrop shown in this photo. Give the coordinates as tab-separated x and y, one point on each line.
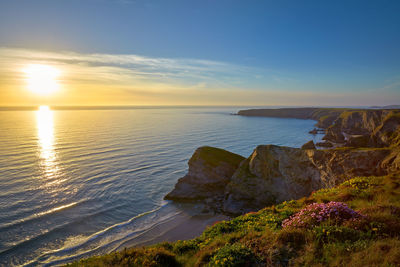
309	145
324	144
316	131
273	174
345	127
365	128
392	162
270	175
210	170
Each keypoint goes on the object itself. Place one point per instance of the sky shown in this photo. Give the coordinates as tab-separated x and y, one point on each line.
209	52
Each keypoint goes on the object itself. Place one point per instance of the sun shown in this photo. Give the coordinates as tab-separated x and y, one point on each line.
42	79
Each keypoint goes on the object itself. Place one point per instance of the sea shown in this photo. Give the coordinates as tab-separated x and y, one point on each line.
81	182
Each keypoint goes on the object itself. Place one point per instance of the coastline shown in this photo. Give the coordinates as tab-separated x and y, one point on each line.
173	222
266	189
178	228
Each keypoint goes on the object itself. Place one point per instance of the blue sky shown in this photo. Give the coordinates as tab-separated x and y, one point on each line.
327	48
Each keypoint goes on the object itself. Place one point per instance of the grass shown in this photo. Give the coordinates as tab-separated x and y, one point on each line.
213	156
258	238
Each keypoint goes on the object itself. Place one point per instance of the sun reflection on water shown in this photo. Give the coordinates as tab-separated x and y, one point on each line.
45	128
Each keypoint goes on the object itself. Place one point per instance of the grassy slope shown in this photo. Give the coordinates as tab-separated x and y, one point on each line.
213	156
258	238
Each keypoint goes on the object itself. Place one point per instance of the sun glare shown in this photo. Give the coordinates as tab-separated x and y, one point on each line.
42	79
45	131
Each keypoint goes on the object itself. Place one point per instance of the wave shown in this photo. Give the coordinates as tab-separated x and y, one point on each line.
39	215
108	239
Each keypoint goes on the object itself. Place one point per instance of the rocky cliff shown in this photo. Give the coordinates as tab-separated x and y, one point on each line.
272	174
346	127
210	170
366	128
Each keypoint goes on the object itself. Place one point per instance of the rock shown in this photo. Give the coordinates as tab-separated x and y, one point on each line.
370	128
358	141
388	132
325	144
392	162
308	145
270	175
338	165
273	174
380	126
229	183
210	169
313	131
316	131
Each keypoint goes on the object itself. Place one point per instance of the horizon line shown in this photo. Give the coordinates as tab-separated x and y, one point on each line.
116	107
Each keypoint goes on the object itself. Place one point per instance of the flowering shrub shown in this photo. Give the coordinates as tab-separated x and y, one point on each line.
360	182
316	213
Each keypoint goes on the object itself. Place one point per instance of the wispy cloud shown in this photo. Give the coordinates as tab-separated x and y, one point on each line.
97	79
128	68
391	85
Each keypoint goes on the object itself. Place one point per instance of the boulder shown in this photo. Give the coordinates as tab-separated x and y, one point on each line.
313	131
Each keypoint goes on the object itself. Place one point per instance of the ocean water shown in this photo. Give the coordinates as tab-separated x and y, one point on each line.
74	183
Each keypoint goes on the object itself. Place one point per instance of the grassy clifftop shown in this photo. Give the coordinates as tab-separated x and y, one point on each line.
354	224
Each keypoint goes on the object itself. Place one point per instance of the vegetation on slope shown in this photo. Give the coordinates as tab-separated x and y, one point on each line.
355	224
214	156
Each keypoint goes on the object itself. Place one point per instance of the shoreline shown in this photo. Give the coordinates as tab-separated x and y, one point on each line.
177	228
186	222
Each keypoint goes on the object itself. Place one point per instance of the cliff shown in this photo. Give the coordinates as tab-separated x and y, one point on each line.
345	127
330	207
210	170
273	174
356	223
233	185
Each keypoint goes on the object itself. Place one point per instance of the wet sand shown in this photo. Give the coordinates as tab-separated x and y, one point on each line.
181	227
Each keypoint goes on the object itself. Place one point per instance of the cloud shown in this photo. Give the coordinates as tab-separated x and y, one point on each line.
129	68
393	85
112	79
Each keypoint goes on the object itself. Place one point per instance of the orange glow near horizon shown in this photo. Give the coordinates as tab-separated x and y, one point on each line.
42	79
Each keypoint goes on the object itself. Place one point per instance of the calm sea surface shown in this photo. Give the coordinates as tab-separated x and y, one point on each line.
78	182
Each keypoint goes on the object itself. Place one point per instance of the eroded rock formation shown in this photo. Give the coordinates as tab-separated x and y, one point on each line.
272	174
210	170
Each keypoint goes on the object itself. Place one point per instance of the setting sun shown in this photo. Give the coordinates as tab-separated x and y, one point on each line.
42	79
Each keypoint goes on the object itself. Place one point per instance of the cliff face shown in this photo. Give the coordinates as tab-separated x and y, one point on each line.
367	128
348	127
273	174
210	170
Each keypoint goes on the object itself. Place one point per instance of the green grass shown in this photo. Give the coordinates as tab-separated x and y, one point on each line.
214	156
258	239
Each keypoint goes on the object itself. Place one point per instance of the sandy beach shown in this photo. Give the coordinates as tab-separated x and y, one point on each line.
181	227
